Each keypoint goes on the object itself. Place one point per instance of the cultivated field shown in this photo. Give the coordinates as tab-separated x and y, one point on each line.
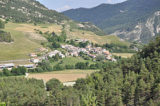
63	76
124	55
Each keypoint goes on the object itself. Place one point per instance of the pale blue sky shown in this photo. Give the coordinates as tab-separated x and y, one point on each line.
61	5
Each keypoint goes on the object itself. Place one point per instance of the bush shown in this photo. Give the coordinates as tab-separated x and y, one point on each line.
5	37
81	65
18	71
69	66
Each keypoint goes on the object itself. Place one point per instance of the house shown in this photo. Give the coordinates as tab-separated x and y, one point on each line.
28	66
109	58
35	60
92	56
69	83
53	53
62	55
106	52
114	60
74	54
43	49
33	55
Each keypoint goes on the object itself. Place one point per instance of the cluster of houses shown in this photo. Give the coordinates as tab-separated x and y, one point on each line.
35	59
92	52
55	52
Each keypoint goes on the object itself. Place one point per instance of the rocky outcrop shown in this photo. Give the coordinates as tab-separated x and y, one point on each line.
142	32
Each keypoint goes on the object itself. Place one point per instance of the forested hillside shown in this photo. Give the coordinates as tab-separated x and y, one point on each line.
131	20
130	82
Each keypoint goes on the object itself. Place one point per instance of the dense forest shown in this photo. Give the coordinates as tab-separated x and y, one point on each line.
130	82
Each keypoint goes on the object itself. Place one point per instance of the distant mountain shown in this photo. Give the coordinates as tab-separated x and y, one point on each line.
135	20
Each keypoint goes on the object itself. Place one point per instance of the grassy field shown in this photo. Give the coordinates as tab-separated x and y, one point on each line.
124	55
96	38
21	46
63	76
71	61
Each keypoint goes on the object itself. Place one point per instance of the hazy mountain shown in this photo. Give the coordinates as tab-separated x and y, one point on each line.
132	20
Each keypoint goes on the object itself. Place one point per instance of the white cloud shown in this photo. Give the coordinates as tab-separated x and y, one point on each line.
64	8
109	1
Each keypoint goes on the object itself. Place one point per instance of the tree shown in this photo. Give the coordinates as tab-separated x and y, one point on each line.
53	84
81	65
6	72
2	25
56	45
100	57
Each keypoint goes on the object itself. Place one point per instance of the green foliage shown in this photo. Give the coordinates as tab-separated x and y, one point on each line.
14	72
5	37
83	44
53	84
21	91
2	25
56	40
100	57
117	48
18	71
81	65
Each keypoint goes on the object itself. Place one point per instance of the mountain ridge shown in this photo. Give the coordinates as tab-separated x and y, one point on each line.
122	17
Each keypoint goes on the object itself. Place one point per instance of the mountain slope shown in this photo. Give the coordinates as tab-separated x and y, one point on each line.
122	18
32	11
28	10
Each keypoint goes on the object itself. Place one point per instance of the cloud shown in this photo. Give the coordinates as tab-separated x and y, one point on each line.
109	1
64	8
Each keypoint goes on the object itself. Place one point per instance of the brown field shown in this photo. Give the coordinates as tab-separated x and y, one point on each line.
124	55
63	76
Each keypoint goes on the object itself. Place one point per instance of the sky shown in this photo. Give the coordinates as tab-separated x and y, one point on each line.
62	5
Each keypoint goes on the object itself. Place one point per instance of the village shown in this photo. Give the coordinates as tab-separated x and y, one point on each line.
71	50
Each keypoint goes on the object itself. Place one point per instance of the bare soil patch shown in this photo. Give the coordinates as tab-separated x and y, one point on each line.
61	77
